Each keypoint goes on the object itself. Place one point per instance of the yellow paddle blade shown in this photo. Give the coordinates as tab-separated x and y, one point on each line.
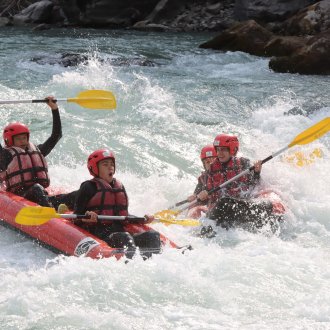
312	133
300	158
35	215
168	217
95	99
180	222
167	213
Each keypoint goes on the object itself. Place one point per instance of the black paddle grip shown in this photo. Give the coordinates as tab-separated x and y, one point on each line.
42	101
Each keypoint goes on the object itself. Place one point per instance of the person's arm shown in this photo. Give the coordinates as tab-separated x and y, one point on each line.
86	191
199	187
253	177
50	143
5	158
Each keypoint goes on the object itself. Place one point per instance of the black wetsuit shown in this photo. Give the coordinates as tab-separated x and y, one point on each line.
36	193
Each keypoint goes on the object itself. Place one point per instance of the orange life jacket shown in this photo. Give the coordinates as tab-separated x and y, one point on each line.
27	167
222	172
109	200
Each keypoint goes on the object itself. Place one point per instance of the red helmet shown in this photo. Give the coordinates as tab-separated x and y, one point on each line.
96	157
230	141
14	129
208	151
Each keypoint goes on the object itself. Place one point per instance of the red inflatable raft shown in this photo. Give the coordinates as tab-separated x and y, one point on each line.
60	235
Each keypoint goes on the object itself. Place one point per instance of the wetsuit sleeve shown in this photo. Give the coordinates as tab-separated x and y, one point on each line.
50	143
5	158
86	191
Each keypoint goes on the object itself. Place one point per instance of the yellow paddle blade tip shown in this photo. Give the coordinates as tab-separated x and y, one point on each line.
312	133
166	213
182	222
95	99
99	103
34	215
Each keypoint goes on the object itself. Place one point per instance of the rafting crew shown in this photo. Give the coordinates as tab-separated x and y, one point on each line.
233	205
23	166
226	166
106	195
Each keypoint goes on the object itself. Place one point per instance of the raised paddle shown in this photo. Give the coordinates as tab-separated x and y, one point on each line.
91	99
37	215
309	135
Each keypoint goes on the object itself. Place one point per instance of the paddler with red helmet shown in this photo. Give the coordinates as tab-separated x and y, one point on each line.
207	156
23	165
106	195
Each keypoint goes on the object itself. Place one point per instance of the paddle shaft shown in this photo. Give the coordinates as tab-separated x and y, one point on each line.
227	182
131	218
28	101
251	168
91	99
45	101
179	204
310	134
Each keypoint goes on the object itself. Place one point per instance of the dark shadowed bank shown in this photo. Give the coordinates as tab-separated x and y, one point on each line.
295	33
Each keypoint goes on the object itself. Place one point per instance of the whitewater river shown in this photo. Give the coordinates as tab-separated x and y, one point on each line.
166	112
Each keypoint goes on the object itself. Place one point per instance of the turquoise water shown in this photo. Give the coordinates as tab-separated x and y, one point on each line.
166	113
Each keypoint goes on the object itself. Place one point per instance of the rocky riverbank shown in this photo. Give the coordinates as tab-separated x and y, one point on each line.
295	33
306	52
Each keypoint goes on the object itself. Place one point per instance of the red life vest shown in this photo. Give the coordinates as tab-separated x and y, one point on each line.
109	199
27	167
222	172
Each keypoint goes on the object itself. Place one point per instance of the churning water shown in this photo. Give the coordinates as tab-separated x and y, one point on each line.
173	98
